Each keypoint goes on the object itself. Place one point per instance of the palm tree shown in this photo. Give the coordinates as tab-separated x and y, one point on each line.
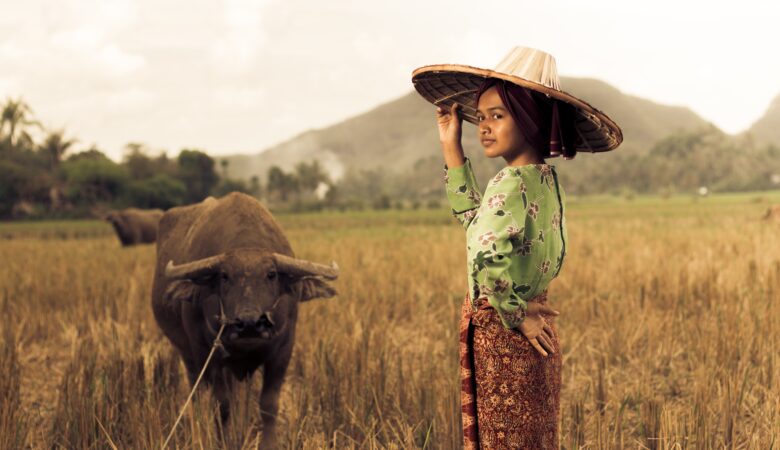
16	115
55	146
224	163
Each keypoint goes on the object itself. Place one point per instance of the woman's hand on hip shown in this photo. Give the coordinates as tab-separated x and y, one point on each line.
449	123
536	329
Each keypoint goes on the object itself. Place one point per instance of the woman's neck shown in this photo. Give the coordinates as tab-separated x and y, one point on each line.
526	156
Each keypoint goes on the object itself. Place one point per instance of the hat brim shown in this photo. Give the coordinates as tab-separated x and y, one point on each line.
445	84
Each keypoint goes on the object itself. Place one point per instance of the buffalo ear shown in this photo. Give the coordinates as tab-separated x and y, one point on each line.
311	288
180	291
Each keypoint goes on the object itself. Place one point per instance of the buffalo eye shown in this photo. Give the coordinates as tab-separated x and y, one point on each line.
210	279
271	275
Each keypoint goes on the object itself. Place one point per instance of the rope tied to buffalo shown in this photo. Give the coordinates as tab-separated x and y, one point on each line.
217	344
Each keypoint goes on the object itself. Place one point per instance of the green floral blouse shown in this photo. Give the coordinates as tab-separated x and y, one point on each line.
516	236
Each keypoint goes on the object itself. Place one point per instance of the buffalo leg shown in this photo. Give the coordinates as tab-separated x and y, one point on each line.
222	385
273	376
192	371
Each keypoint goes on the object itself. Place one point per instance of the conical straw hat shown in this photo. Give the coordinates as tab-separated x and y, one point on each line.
445	84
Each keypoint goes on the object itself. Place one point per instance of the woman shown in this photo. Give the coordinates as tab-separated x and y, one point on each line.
516	237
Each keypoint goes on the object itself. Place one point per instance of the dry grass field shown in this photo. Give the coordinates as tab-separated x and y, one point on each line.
670	327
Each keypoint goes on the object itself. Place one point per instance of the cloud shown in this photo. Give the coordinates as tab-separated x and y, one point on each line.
235	51
240	98
132	100
9	84
77	39
92	49
10	51
119	62
240	75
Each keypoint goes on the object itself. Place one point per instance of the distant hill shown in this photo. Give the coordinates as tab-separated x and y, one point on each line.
400	134
643	122
766	130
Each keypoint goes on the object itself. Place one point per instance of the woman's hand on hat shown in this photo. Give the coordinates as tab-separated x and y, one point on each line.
449	123
536	329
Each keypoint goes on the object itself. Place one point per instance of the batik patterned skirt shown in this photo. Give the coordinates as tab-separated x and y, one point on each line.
510	394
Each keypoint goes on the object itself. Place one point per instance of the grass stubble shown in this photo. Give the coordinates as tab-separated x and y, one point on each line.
669	330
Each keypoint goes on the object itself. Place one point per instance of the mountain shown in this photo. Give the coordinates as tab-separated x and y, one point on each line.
400	134
766	130
643	122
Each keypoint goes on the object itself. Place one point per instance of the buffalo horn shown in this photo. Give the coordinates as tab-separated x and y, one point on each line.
301	267
194	269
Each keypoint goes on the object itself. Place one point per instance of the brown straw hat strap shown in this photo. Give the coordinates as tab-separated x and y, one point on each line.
467	91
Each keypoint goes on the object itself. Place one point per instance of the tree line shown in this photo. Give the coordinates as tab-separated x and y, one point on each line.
44	176
681	163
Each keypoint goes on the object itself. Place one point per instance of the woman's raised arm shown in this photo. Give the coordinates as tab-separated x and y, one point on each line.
462	189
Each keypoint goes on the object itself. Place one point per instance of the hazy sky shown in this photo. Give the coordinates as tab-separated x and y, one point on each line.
237	76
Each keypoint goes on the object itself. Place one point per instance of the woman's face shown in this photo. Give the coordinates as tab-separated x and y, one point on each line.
498	132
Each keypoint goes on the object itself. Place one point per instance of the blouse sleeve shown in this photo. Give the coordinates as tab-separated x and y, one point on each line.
501	237
462	192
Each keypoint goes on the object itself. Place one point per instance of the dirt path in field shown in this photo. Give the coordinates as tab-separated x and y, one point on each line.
42	369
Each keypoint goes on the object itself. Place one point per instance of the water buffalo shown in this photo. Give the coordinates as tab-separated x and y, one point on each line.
773	213
135	226
228	261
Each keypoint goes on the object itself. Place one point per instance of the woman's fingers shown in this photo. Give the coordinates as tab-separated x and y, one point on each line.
546	342
543	309
538	346
443	116
446	114
548	329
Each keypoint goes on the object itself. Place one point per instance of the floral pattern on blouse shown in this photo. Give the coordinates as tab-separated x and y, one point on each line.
516	238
